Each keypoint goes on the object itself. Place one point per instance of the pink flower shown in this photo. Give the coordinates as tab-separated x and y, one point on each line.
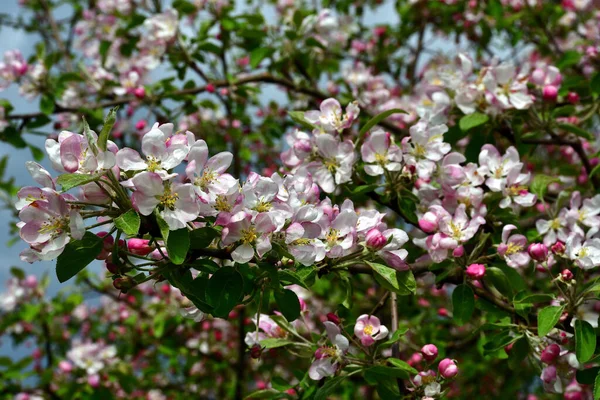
163	152
48	226
380	154
330	119
328	358
250	235
368	329
336	160
513	248
176	202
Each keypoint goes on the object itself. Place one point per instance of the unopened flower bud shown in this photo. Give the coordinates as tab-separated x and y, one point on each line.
558	248
475	271
447	368
139	246
375	239
140	93
550	93
123	284
65	366
255	352
331	317
458	252
573	98
538	251
566	275
549	374
141	124
550	354
429	351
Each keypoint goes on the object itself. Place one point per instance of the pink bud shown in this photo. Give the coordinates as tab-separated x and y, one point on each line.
549	374
112	268
429	351
574	396
415	359
566	275
550	93
538	76
538	251
443	312
550	354
30	282
140	92
458	252
139	246
447	368
573	98
331	317
375	239
475	271
558	248
93	380
65	366
427	225
141	124
210	88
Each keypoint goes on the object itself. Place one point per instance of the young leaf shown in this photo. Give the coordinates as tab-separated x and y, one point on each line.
129	222
69	181
329	387
298	117
109	122
288	304
224	291
472	120
547	318
577	131
201	238
585	340
377	119
273	343
463	304
77	255
597	387
402	283
178	245
540	183
259	54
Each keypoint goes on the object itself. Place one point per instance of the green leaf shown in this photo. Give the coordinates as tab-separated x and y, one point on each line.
47	104
569	58
77	255
585	340
547	318
201	238
69	181
17	273
291	277
273	343
595	170
498	278
224	290
402	282
577	131
587	376
162	225
595	84
329	387
377	119
259	54
540	183
288	304
472	120
463	304
396	336
109	122
396	362
597	387
129	222
298	117
87	132
178	245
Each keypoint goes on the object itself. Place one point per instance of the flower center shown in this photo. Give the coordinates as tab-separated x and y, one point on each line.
380	158
331	165
55	226
583	252
206	179
419	150
301	242
221	203
456	231
168	199
153	163
555	224
263	206
516	190
513	248
249	235
332	236
368	330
